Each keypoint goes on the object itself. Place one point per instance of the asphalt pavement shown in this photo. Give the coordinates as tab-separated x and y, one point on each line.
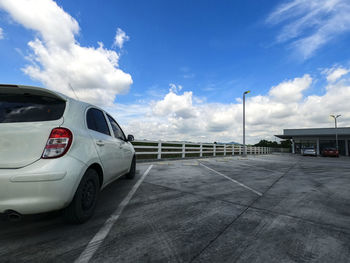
263	208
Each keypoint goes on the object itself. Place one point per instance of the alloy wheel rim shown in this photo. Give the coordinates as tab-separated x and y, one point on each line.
88	194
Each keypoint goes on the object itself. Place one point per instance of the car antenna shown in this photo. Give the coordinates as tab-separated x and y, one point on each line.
73	91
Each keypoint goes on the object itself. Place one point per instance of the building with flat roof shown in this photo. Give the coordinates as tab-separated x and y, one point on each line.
319	138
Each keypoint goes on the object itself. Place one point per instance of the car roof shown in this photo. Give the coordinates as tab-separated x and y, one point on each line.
48	91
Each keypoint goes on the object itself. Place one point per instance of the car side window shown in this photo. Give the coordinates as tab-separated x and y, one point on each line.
118	133
96	121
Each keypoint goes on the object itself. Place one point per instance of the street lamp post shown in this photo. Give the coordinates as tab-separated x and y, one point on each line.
336	127
244	147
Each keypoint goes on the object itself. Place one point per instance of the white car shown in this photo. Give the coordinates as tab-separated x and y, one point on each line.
308	151
57	152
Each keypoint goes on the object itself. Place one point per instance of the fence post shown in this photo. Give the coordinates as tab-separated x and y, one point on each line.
239	150
159	156
183	150
233	149
214	153
201	150
224	149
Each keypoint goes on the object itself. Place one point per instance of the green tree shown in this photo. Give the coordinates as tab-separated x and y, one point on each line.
266	143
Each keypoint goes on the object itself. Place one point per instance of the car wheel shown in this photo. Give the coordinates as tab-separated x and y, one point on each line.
132	172
84	202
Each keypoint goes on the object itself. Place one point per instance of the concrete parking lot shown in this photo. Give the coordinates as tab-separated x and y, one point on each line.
271	208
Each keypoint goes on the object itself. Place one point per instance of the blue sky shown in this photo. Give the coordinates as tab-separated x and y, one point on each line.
214	50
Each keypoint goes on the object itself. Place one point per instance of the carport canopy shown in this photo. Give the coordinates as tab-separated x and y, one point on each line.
320	137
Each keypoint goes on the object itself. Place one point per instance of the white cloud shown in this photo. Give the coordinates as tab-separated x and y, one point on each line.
1	33
335	73
189	76
45	17
58	60
178	106
120	38
176	117
174	88
310	24
291	91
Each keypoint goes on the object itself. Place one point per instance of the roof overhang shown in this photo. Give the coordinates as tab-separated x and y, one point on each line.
314	132
284	136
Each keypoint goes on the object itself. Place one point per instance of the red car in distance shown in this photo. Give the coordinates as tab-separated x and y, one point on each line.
330	152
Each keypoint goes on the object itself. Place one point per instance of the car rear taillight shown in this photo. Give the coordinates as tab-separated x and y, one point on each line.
58	143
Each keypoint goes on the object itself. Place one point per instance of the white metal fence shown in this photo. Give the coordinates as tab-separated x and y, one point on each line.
165	149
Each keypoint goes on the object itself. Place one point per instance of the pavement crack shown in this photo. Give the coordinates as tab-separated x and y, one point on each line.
242	213
218	235
196	194
277	180
345	231
327	226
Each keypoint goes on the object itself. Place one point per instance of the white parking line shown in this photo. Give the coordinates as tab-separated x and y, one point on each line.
97	240
233	180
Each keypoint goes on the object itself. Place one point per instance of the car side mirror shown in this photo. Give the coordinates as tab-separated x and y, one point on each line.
130	138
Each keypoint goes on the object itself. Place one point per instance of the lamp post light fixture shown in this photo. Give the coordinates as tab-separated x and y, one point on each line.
244	147
336	127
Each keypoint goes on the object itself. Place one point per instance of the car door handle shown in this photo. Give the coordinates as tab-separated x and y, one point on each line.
100	143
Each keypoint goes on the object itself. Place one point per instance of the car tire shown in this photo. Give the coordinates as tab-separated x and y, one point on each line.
82	207
131	174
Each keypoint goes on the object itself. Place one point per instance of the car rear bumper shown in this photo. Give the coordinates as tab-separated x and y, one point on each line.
45	185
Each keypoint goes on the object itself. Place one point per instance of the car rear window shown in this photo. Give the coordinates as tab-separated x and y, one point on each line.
30	108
